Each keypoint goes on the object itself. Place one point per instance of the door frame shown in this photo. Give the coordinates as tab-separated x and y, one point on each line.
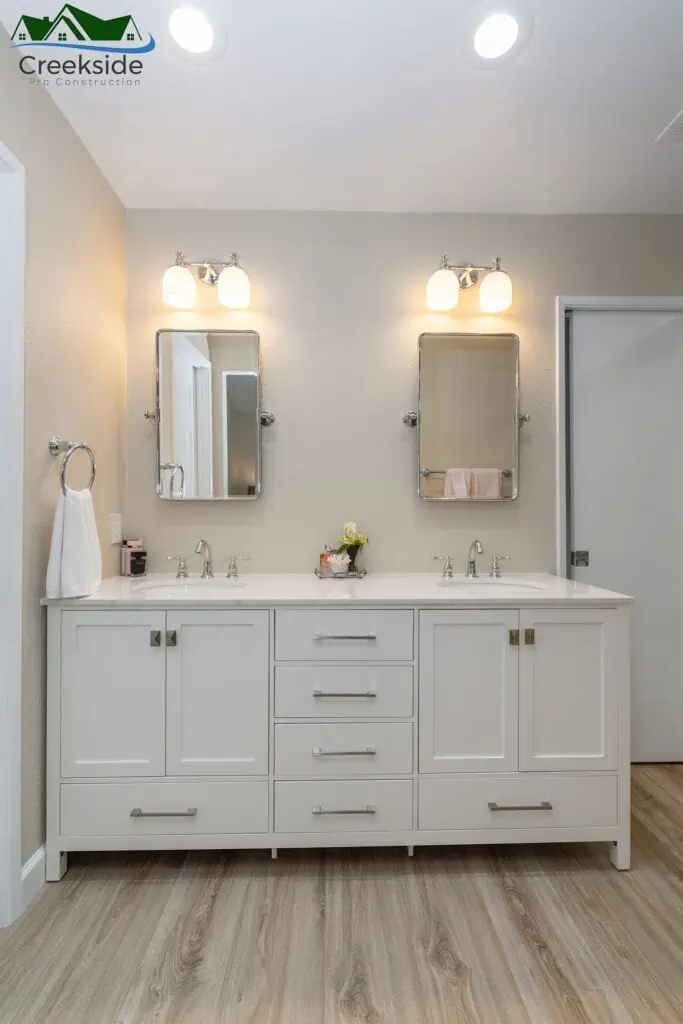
12	304
569	304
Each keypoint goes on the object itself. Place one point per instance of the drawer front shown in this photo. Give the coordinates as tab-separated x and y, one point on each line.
344	691
340	749
312	634
517	803
177	808
358	806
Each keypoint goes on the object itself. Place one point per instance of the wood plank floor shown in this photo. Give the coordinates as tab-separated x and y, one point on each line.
507	935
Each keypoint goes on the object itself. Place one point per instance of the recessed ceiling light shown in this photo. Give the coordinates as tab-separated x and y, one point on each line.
496	35
191	30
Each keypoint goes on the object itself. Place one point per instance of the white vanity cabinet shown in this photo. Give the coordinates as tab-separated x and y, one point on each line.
569	689
469	674
529	691
387	712
217	672
113	700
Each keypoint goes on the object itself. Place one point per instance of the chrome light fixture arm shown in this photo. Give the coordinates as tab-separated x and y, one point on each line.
468	273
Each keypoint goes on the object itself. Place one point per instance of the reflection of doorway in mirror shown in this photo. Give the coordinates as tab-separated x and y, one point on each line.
202	430
190	445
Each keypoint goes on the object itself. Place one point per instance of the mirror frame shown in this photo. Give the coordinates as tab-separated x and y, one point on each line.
157	408
468	334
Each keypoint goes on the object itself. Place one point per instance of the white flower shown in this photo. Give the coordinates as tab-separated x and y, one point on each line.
350	530
339	563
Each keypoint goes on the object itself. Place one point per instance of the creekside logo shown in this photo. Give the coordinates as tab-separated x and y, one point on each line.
118	39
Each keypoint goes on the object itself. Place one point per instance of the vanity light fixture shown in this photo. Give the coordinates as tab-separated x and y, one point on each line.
179	288
443	287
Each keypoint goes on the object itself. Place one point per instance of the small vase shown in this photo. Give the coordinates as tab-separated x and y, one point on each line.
352	552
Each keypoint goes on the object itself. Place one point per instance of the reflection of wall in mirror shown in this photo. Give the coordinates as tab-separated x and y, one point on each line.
467	407
235	476
240	436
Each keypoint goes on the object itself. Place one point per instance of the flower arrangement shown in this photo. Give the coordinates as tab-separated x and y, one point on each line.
351	538
350	542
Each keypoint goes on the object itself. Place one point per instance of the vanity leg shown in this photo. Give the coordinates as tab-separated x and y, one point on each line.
56	864
411	851
620	855
273	853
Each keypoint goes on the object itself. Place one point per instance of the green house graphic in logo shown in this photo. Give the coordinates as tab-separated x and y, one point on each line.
74	28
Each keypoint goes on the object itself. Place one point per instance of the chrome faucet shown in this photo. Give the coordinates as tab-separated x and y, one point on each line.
476	548
203	547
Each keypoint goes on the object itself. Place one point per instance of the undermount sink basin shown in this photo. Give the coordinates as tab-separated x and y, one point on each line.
196	589
493	587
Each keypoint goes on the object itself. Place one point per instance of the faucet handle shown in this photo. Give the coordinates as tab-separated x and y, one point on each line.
232	564
448	563
495	564
182	572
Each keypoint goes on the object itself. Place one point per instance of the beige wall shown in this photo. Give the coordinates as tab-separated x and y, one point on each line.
75	354
339	305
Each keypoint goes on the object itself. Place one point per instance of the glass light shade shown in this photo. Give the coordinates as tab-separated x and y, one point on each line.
234	288
443	290
495	292
496	35
179	288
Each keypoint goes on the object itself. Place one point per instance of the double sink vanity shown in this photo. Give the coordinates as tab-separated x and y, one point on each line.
276	711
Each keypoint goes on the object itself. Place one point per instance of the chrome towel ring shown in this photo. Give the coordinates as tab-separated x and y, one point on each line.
55	446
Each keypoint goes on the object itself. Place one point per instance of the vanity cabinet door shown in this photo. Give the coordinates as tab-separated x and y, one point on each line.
468	691
569	674
112	693
217	693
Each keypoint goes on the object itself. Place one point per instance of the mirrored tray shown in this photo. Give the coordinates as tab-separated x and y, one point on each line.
357	574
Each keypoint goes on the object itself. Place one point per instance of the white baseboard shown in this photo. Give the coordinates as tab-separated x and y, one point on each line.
33	876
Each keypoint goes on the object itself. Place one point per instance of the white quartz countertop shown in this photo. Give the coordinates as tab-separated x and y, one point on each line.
407	589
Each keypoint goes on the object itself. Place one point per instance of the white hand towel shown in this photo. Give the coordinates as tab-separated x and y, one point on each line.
75	567
53	584
457	483
486	483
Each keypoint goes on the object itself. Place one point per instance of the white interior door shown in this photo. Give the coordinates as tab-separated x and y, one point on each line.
626	497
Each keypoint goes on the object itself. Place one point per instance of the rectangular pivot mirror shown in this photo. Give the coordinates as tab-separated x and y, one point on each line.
468	417
208	410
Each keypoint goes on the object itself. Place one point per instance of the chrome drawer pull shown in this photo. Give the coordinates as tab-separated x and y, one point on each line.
344	636
137	812
369	751
544	805
363	693
368	809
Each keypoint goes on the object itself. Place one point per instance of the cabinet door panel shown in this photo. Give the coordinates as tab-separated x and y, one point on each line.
112	694
568	690
217	693
468	691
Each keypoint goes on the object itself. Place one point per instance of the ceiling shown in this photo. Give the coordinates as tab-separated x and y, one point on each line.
378	105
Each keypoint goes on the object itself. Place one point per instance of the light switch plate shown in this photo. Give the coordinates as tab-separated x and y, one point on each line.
115	528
